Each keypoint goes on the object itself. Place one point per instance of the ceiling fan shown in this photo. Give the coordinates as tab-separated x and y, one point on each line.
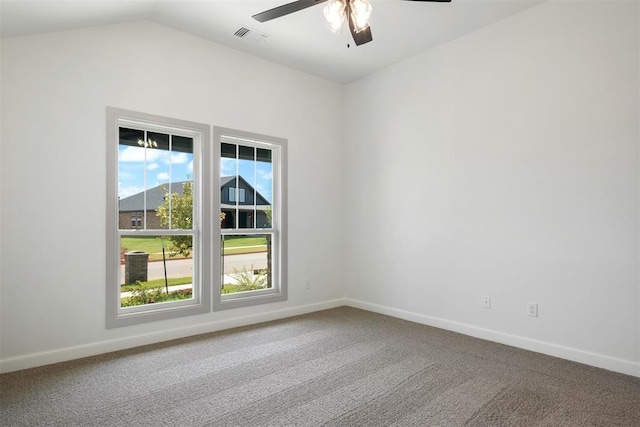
355	12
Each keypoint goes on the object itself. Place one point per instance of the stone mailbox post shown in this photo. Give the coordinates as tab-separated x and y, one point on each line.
135	266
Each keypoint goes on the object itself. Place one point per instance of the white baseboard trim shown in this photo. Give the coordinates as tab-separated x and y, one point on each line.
70	353
622	366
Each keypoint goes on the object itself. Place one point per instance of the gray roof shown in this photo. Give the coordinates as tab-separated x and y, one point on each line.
155	195
226	179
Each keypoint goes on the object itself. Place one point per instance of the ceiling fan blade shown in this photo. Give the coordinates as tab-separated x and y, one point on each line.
362	37
285	9
359	37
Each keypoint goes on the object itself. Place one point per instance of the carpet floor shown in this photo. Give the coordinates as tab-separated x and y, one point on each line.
339	367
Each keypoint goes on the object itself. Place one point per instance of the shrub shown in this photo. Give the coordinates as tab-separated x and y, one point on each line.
246	280
142	296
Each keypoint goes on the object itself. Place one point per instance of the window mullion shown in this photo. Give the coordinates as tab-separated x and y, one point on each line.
170	225
144	185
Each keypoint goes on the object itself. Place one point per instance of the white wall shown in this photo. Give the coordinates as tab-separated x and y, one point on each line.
505	163
55	88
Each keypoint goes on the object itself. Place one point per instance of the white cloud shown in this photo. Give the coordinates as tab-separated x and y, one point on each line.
190	167
266	175
152	166
179	158
127	191
126	176
227	166
163	176
136	154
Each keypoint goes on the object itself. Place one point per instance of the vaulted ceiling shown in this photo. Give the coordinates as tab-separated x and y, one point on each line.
301	40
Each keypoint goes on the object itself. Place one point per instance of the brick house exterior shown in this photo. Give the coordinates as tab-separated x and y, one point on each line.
238	214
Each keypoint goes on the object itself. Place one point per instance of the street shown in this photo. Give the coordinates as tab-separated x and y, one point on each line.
184	267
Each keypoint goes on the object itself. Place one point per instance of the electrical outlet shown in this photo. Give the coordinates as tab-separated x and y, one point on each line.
486	302
532	309
307	284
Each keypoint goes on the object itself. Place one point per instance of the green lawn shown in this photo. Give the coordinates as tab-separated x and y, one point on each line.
231	289
239	241
244	244
147	244
232	245
157	283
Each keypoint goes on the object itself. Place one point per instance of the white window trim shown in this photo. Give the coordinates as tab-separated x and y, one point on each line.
279	225
116	316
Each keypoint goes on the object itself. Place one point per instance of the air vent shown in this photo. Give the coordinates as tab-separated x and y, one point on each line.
253	36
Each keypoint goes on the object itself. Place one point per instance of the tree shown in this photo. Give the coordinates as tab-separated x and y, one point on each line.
181	217
178	208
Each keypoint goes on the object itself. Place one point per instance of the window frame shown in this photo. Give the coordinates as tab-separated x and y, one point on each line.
278	292
116	316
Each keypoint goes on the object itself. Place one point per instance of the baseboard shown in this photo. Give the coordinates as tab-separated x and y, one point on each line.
70	353
622	366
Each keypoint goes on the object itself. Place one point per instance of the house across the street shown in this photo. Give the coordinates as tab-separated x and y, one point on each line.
240	203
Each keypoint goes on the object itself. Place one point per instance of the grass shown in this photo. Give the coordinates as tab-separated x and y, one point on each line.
230	289
148	244
232	245
240	241
157	283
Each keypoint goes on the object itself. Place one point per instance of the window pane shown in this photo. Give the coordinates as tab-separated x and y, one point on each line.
143	269
180	204
252	246
264	188
158	183
228	172
228	150
131	170
246	186
152	165
246	179
246	262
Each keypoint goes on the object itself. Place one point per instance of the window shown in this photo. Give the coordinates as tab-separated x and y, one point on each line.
233	192
136	219
155	267
176	203
252	219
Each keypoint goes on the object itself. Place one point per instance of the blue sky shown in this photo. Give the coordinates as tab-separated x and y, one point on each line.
163	166
258	174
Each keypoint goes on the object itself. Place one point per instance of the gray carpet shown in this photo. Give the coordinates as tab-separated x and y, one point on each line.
340	367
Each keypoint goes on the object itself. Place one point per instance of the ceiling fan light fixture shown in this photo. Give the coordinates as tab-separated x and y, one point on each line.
357	12
360	13
334	12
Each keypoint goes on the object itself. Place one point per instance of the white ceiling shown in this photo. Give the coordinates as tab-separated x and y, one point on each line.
301	40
